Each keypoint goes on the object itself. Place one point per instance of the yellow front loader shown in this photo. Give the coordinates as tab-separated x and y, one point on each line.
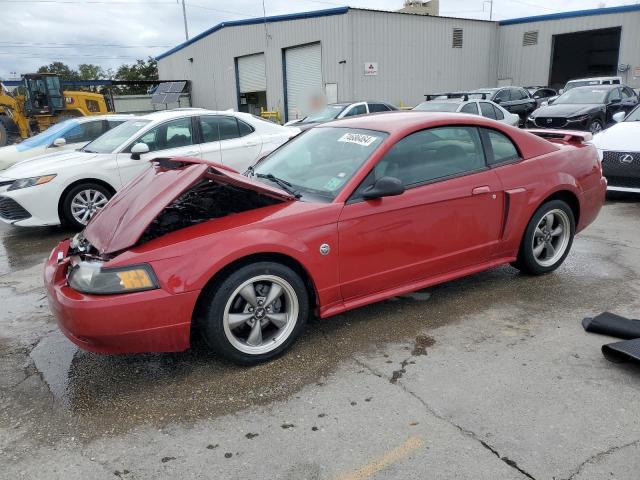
39	103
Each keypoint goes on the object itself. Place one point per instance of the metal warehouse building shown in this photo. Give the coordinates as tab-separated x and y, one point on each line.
354	54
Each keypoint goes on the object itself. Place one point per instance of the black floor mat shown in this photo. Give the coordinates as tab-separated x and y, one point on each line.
613	325
616	326
624	351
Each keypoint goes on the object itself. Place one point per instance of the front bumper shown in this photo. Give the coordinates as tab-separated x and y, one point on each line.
559	123
40	204
622	170
150	321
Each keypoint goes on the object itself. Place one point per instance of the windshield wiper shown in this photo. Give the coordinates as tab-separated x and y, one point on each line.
283	184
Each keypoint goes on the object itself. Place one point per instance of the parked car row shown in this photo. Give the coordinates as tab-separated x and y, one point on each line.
70	186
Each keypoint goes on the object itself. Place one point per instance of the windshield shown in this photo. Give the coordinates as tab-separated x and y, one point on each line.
49	135
437	107
111	140
327	113
634	116
321	161
583	95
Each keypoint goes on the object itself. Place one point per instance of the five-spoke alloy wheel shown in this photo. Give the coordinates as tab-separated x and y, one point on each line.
256	312
547	239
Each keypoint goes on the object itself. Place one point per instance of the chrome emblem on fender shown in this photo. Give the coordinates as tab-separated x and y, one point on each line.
325	249
626	158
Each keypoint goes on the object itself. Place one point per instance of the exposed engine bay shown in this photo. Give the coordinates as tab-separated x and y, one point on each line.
206	200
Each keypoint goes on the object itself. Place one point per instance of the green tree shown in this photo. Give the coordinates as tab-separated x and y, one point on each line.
59	68
88	71
141	70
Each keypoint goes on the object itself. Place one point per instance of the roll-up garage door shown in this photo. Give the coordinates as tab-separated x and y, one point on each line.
251	73
303	70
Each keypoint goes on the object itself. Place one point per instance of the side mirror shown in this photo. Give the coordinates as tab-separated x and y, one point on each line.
618	117
139	149
498	101
384	187
561	91
59	142
551	100
615	101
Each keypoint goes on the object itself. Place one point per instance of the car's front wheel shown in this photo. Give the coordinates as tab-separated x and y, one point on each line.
595	126
547	239
81	202
255	313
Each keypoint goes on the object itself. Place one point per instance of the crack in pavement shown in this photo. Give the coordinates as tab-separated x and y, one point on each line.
595	458
511	463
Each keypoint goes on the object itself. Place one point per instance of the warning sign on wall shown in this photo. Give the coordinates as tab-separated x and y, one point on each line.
371	68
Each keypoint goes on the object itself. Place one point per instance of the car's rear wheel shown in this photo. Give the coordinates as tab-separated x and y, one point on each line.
255	313
82	202
547	239
595	126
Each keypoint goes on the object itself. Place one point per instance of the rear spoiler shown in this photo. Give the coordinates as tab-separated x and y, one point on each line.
564	136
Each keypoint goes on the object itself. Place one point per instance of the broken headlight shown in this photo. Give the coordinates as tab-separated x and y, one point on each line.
90	277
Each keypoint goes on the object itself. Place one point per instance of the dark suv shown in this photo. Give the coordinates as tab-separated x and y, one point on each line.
513	99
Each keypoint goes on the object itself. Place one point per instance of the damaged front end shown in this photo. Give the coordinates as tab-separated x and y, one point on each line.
174	194
206	200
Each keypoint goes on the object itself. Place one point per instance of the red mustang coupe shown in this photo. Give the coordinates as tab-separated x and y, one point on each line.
348	213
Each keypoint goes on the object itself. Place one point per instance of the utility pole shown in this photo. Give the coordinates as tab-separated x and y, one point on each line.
184	15
490	2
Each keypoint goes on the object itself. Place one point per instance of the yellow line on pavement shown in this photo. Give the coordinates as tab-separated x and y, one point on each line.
382	462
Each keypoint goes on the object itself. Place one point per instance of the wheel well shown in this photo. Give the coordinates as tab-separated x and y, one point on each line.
569	198
290	262
80	182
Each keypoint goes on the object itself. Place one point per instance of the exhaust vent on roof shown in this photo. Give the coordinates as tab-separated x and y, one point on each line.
530	38
457	38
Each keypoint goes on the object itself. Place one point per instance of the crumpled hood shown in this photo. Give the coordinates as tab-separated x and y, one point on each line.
567	110
121	223
621	137
46	164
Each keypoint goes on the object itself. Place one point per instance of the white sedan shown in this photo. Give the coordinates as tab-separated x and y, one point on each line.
484	108
619	150
68	135
69	187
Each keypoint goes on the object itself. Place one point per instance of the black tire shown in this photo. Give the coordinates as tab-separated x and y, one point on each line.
220	294
67	216
596	124
4	135
527	261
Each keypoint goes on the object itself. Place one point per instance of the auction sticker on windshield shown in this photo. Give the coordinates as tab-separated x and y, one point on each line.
358	138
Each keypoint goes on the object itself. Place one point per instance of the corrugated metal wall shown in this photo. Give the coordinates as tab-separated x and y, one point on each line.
353	38
212	71
530	65
415	55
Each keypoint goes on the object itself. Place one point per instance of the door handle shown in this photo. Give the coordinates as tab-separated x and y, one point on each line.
192	152
481	190
251	143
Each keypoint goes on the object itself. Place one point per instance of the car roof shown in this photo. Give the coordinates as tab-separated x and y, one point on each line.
397	121
113	116
593	79
599	87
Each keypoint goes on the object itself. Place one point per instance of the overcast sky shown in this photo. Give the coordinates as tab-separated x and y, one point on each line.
112	32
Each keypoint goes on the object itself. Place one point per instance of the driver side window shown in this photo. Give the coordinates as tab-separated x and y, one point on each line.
430	155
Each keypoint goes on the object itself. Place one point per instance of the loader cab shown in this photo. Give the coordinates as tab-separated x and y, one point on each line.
43	94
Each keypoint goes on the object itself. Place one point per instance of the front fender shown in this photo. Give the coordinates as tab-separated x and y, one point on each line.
193	271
